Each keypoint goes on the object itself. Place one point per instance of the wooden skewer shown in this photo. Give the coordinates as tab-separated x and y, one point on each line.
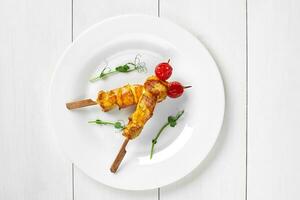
114	167
81	103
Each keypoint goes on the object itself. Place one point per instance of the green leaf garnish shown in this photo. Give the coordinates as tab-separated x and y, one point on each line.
117	125
137	65
172	122
123	68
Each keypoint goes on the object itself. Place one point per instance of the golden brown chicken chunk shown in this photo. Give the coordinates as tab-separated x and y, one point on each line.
122	97
125	96
155	90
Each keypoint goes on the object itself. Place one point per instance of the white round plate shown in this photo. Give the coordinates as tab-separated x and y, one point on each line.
93	148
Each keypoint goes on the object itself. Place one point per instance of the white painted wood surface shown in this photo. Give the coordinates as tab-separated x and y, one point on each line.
34	33
87	13
221	26
274	96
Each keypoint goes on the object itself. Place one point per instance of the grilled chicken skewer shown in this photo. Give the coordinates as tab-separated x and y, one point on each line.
155	90
146	96
122	97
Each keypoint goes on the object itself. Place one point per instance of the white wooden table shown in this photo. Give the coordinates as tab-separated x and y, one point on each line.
257	48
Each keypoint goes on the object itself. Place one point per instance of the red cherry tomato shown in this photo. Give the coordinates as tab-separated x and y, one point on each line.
163	71
175	89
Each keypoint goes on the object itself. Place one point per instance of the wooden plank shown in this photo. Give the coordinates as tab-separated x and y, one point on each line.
86	188
87	13
32	37
220	25
274	97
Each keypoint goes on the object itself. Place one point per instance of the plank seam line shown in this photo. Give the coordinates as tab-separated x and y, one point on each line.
72	39
158	8
158	193
73	182
72	16
158	14
247	90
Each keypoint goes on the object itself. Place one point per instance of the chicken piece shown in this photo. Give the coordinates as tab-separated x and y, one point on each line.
155	90
122	97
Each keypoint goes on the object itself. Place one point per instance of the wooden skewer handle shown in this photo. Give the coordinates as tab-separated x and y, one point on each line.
114	167
81	103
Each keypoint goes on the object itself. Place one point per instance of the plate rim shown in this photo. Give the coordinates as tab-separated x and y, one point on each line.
74	42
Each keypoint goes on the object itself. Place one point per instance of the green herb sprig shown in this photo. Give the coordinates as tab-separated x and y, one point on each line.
117	125
172	122
137	65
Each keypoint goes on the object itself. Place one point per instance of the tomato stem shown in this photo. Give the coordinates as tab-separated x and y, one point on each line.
186	87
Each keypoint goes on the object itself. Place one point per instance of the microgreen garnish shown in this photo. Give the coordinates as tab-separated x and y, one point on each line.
117	125
172	122
137	65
